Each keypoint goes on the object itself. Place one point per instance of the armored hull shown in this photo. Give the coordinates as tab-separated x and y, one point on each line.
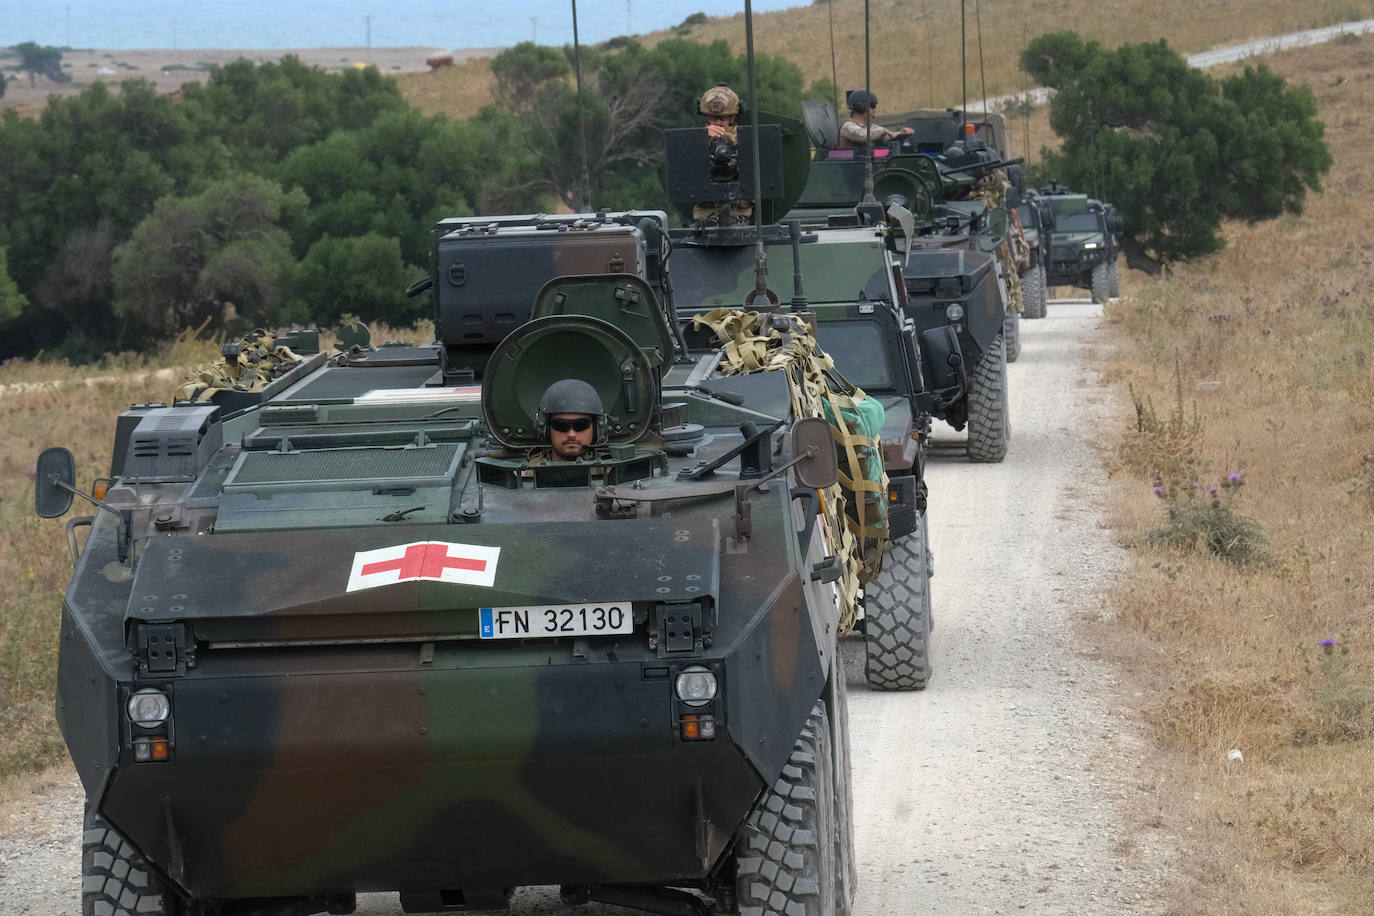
365	635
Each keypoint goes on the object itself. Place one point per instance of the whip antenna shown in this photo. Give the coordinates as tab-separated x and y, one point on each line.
760	258
1025	109
868	121
963	54
834	76
978	18
581	116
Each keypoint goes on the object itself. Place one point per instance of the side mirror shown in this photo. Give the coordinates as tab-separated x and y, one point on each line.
53	482
820	470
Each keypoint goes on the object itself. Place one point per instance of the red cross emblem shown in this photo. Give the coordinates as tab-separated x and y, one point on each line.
439	561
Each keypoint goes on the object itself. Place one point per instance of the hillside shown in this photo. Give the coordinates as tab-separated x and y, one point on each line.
915	43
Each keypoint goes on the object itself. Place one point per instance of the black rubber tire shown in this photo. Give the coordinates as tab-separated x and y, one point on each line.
1011	335
1114	279
115	881
989	420
1101	284
785	857
1034	292
897	616
847	866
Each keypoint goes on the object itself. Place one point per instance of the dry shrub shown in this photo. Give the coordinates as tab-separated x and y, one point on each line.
1163	445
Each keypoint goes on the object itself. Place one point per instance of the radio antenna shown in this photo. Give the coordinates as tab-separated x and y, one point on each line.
868	121
581	116
978	18
963	56
834	75
760	257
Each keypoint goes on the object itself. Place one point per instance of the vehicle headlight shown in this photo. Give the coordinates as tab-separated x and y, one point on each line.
696	686
149	707
1090	245
954	312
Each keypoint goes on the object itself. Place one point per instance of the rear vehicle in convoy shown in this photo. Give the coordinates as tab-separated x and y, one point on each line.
1083	243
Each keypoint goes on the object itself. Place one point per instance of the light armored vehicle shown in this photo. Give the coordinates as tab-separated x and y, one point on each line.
1037	220
950	257
843	281
1083	243
343	624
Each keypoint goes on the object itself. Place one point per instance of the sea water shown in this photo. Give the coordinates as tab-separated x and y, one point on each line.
279	24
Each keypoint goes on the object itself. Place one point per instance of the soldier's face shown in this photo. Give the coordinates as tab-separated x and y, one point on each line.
717	120
570	435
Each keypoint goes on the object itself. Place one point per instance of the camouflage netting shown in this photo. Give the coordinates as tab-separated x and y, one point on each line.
855	510
258	363
1013	252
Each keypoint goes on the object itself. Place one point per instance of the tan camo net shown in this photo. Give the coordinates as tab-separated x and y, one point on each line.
1013	252
257	365
762	342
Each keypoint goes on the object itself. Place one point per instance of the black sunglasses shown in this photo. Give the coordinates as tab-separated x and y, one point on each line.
581	425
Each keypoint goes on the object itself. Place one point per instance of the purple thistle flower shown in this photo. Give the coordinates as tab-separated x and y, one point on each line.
1211	491
1328	646
1159	491
1234	478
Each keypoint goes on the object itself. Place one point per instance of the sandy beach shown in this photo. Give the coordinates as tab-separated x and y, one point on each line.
169	69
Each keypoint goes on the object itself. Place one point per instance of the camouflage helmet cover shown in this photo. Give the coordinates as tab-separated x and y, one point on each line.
719	101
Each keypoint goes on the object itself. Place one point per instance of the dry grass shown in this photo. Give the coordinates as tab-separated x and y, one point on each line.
915	43
1273	341
457	92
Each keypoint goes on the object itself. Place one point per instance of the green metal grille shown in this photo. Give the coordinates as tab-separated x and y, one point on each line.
345	464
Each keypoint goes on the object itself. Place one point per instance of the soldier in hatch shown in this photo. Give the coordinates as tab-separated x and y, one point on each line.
857	132
720	107
571	416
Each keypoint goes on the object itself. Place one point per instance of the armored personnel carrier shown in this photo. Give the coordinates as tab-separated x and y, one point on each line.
1036	219
1083	243
951	265
352	627
842	280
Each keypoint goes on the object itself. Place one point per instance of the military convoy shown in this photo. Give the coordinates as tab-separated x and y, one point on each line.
357	591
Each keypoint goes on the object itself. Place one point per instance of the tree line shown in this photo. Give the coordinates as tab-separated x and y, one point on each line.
1174	149
281	193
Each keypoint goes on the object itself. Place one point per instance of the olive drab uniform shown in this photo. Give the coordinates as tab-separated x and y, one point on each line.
721	101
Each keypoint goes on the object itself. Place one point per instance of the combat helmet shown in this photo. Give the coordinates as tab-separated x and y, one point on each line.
571	395
860	101
719	101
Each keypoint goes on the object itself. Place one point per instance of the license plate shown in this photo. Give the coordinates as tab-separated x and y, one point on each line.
606	619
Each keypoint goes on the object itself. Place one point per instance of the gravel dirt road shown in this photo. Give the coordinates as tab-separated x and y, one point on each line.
1016	782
